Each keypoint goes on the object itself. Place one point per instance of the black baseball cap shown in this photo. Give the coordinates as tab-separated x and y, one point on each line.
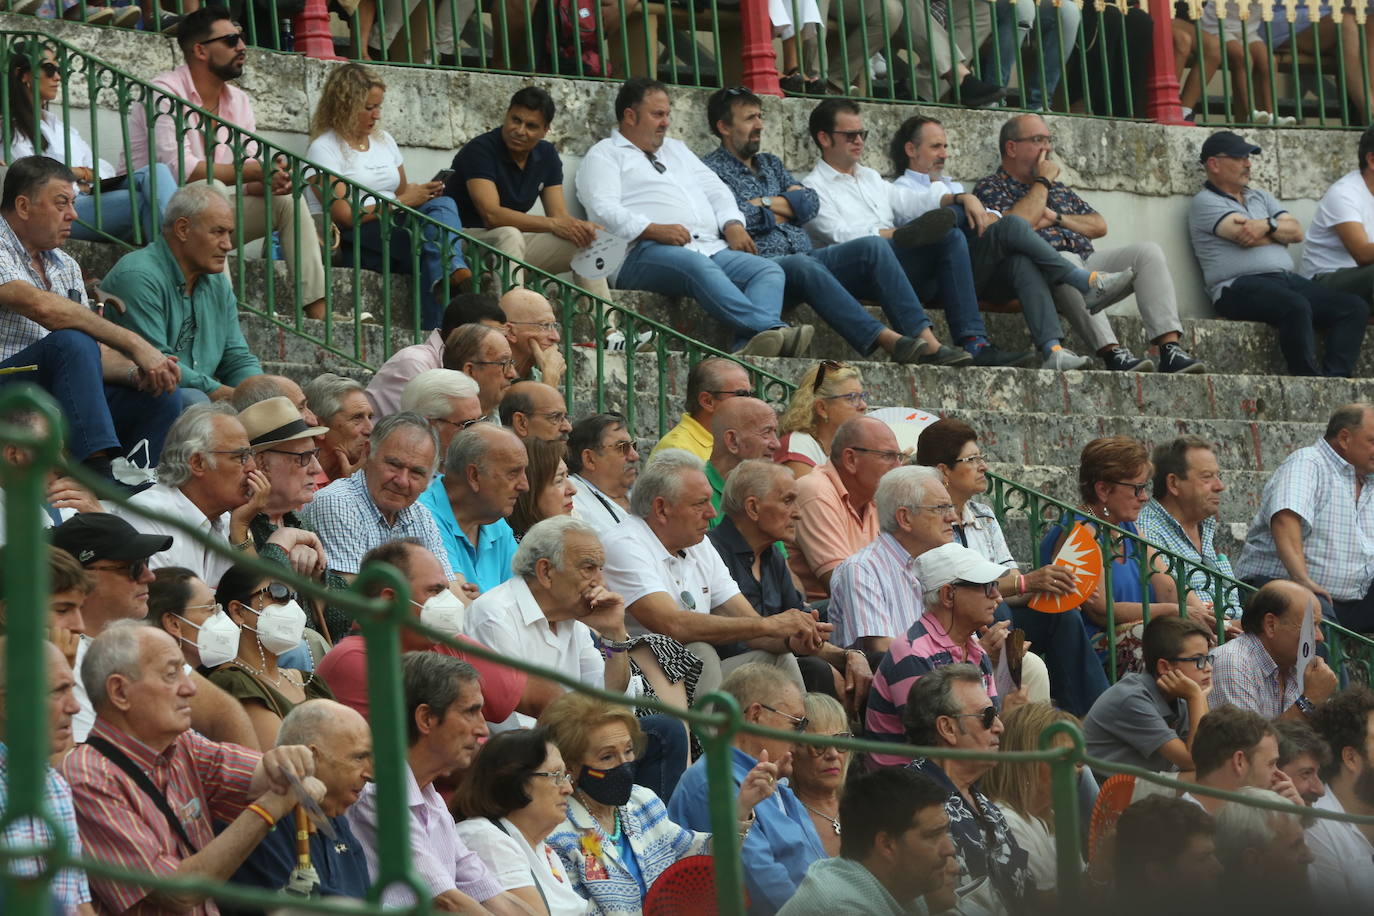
1227	143
91	536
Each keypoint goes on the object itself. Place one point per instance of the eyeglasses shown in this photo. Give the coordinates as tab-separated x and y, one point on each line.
987	716
827	365
558	778
988	588
242	455
1203	662
302	458
503	363
134	569
799	723
461	426
853	397
232	40
50	69
1137	489
653	160
818	750
938	509
849	135
973	459
734	393
274	590
1038	139
556	417
624	446
736	90
547	327
883	453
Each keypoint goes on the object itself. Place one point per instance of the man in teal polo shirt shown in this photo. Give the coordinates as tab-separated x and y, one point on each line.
742	428
179	298
484	472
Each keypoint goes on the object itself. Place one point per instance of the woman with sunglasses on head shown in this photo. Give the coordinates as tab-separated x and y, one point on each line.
121	202
828	393
550	492
270	623
513	797
818	771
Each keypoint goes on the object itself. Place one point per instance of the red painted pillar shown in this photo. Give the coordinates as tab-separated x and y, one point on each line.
1162	87
760	63
311	26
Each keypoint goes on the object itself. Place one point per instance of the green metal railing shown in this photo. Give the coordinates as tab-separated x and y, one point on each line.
1352	654
90	84
716	720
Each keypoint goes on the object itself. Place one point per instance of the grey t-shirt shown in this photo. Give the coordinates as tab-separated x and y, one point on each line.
1131	721
1221	260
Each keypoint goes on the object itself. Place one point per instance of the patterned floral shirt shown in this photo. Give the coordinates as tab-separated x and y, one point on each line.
1000	192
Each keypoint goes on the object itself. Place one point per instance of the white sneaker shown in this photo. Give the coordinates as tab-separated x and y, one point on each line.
1062	359
877	66
1260	117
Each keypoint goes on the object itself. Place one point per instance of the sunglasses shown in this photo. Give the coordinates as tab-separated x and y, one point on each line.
134	569
658	166
850	135
232	40
624	446
827	365
50	69
302	458
987	716
274	590
799	723
988	588
818	750
733	393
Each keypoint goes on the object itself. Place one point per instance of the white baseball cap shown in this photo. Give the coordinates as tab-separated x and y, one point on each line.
954	563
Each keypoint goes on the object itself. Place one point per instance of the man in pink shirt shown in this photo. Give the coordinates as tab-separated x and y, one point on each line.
215	51
836	501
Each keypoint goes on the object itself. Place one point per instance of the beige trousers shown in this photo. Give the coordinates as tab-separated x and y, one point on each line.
539	249
287	212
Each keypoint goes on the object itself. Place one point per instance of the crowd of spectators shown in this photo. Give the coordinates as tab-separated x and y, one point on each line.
830	582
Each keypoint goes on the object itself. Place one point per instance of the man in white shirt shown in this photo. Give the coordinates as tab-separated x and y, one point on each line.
208	477
1343	874
604	464
675	583
1009	260
687	237
1340	241
856	202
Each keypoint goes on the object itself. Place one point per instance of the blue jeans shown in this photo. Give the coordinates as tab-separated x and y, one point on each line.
1013	28
190	397
1076	675
665	754
832	279
741	291
435	264
942	271
69	369
117	207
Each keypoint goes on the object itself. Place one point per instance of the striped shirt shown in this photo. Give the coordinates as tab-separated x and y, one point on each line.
1337	532
61	275
1245	675
1156	524
68	887
203	781
925	647
350	524
874	593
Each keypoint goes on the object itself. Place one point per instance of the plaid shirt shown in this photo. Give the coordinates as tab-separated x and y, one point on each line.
1246	676
203	781
63	277
1337	532
350	524
1000	192
69	888
874	593
768	178
1156	524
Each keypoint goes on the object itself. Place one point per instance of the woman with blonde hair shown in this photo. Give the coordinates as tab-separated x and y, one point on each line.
829	393
346	140
819	770
1022	790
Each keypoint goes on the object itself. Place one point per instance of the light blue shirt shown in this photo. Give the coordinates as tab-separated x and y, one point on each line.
488	564
779	848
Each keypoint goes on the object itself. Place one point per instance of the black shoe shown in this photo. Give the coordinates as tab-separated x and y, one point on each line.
793	83
990	355
975	93
1173	358
1122	360
943	355
926	229
907	351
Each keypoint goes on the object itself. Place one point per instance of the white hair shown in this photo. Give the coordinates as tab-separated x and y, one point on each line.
1241	827
662	477
193	433
903	486
325	393
545	541
115	651
429	392
756	477
189	202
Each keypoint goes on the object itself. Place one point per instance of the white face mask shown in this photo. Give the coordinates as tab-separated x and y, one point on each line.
444	612
280	627
217	640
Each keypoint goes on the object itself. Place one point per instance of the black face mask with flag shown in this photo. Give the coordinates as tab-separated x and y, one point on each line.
609	787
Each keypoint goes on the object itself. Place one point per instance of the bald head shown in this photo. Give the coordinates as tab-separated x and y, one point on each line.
533	326
533	410
742	428
341	742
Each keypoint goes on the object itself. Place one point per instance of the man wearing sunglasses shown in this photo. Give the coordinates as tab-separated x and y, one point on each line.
959	591
215	52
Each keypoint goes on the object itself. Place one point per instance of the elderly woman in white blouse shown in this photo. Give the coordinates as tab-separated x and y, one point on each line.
122	200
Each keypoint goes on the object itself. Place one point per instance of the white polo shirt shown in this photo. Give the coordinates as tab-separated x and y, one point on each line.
596	508
637	564
507	619
1342	872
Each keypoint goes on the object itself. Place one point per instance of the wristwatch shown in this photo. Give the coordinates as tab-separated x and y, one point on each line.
1305	706
1041	179
1273	225
766	203
1058	218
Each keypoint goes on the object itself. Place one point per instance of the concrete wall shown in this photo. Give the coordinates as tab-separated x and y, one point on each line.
1140	176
